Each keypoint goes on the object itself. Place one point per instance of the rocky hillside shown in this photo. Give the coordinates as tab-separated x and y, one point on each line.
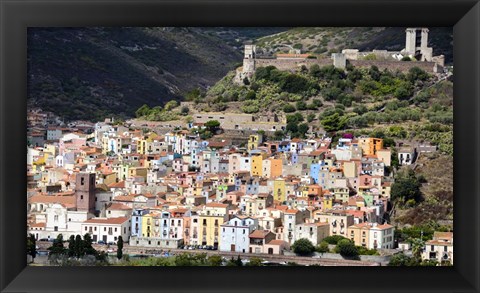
327	40
91	73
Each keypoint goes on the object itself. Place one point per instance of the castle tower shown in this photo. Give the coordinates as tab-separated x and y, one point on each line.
424	40
418	43
411	41
249	60
85	192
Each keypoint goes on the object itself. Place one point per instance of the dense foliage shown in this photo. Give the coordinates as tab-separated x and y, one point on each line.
303	247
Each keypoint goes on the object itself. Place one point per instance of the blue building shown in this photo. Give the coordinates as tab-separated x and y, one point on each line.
137	221
314	172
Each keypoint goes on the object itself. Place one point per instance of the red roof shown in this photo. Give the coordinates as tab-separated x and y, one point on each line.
111	221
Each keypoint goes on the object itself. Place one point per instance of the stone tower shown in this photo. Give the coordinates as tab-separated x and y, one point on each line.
249	60
418	44
85	192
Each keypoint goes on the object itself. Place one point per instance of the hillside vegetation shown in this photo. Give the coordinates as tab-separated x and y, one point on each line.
92	73
327	40
413	105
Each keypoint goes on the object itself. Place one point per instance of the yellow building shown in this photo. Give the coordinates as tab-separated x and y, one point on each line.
327	203
256	165
144	144
279	189
253	141
370	145
147	225
210	219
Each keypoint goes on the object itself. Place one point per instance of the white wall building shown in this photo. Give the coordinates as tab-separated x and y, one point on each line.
234	234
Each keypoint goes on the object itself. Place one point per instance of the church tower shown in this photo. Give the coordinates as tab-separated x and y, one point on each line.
85	192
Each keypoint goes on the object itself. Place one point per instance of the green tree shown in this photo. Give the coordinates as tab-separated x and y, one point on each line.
251	95
303	247
142	111
303	129
170	105
238	261
185	110
71	246
120	247
347	248
79	246
212	125
322	247
288	108
193	94
333	122
32	246
400	260
183	260
310	117
278	135
334	239
301	105
255	262
406	186
57	247
416	73
215	260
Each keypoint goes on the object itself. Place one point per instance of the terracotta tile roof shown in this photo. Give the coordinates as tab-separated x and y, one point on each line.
38	225
444	235
124	198
259	234
67	200
111	221
118	206
120	184
216	205
276	242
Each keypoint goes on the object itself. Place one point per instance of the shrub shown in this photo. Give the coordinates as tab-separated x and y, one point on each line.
334	239
303	247
346	248
288	108
322	247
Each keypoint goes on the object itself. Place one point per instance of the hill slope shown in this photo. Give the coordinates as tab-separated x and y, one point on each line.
327	40
91	73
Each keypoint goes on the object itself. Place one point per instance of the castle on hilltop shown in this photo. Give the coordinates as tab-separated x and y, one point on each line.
416	48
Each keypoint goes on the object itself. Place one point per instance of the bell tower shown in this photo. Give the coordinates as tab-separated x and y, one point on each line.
85	192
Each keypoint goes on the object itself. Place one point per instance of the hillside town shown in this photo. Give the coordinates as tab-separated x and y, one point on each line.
171	189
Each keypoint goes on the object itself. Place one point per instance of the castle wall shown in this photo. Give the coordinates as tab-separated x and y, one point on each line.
292	64
402	66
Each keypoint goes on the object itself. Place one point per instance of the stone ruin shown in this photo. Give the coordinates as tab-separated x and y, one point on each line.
416	47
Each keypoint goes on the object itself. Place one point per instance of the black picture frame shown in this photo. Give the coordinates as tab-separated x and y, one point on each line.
16	16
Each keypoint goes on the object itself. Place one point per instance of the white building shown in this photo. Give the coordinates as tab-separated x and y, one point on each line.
406	155
234	234
107	229
440	248
315	232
